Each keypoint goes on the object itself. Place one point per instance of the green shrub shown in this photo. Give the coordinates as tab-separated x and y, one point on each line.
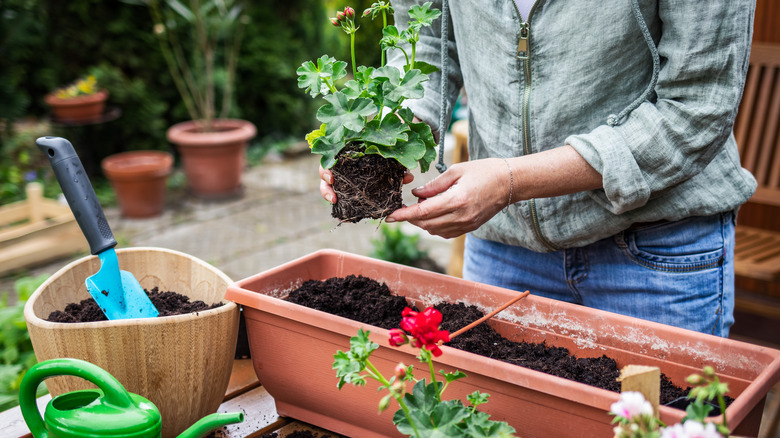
398	247
16	352
21	162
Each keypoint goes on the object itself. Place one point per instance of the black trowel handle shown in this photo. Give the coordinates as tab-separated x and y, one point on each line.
78	192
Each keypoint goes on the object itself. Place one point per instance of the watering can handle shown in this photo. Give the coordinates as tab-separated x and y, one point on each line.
113	391
78	192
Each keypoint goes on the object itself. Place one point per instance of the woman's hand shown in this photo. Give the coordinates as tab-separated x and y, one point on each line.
461	199
326	184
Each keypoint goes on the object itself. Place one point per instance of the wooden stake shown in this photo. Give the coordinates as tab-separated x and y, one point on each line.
644	379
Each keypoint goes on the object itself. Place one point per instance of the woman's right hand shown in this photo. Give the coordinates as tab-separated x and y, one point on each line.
326	184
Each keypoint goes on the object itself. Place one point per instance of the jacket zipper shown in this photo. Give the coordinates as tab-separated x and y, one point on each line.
524	55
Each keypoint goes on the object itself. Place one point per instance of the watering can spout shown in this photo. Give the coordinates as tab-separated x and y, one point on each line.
211	422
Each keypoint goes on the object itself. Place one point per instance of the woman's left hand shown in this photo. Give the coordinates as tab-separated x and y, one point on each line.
460	200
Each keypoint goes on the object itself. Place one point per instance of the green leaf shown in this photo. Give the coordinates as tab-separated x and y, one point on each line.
697	410
425	68
387	132
477	398
315	78
423	15
450	377
182	10
314	135
343	112
329	147
396	88
349	365
390	37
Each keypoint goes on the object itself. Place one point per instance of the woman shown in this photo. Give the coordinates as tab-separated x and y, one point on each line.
603	167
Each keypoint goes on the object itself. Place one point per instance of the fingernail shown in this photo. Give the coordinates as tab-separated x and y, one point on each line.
329	178
389	220
329	198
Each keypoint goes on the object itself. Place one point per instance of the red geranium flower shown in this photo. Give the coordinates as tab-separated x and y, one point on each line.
424	328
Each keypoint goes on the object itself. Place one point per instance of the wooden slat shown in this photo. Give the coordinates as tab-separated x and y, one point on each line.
12	424
745	114
757	253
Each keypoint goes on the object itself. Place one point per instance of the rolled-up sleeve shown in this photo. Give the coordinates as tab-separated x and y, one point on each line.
673	135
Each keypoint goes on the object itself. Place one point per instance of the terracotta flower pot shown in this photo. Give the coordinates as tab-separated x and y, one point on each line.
180	363
139	178
293	346
77	109
213	161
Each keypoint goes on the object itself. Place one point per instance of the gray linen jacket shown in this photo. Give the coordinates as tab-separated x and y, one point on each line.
645	90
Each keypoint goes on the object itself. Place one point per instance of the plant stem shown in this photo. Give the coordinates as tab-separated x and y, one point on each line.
384	25
168	54
433	378
399	398
722	404
352	46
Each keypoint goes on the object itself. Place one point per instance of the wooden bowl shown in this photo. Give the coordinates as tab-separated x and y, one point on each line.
181	363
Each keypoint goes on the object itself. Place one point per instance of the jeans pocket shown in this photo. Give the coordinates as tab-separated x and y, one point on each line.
685	246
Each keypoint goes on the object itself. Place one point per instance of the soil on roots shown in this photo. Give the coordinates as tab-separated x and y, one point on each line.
367	187
369	302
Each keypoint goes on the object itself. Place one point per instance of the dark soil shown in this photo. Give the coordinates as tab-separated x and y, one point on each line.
358	298
367	187
365	300
167	303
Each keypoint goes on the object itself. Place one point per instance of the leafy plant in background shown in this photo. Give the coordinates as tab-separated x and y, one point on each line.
83	86
423	412
21	162
635	418
396	246
16	352
200	41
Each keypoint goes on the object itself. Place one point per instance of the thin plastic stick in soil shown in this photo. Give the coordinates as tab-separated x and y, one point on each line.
489	315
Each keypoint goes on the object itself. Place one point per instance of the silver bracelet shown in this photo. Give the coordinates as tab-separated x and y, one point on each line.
511	185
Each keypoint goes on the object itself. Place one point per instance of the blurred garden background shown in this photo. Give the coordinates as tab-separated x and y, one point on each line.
46	44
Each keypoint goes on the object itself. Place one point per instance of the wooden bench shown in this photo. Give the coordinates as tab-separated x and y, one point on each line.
757	130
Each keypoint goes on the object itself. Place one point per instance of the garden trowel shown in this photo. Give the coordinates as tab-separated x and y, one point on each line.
118	293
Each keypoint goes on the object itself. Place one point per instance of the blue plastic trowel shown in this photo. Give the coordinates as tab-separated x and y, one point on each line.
118	293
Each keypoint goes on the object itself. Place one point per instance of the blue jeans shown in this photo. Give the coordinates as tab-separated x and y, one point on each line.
676	273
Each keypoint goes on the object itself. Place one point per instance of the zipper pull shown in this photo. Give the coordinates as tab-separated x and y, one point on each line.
522	43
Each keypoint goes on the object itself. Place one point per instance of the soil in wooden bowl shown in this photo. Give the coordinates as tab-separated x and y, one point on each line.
167	303
365	300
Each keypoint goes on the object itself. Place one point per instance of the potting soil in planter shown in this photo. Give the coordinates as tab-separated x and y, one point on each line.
365	300
167	303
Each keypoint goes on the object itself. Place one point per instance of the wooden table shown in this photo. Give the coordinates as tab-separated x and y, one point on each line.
244	394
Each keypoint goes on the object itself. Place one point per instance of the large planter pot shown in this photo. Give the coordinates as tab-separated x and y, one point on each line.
139	179
181	363
77	109
213	161
293	346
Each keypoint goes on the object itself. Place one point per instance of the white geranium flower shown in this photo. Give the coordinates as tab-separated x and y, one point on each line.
631	403
691	429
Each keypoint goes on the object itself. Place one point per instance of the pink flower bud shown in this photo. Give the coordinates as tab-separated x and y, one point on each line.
340	16
335	22
398	337
349	12
367	12
400	371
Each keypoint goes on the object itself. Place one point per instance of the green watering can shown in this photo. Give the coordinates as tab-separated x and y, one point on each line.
109	411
